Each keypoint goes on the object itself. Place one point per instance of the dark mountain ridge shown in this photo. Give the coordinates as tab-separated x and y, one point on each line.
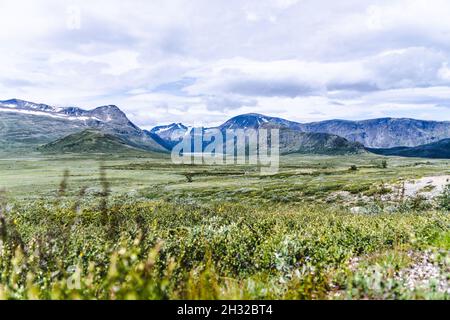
89	141
436	150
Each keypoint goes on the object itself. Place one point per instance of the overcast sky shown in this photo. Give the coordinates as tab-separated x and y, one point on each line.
202	61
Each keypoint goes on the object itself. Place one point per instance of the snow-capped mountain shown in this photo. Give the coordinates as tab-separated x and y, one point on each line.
254	121
16	104
167	131
108	113
292	140
170	134
26	124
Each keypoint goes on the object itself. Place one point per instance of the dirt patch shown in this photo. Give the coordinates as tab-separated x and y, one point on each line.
428	187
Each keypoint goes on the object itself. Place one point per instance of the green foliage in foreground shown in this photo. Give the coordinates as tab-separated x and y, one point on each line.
128	248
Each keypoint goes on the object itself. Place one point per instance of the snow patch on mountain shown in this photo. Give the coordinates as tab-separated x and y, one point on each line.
48	114
103	114
174	131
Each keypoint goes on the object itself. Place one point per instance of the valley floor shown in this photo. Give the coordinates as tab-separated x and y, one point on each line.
323	227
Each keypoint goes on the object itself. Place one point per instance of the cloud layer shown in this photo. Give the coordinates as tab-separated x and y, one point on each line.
202	61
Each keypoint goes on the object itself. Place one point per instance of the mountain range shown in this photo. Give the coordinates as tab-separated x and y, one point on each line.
374	133
31	126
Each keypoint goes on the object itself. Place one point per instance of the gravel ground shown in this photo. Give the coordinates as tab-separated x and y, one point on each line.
429	187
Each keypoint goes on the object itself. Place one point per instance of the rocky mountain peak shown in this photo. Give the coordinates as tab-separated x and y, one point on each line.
109	113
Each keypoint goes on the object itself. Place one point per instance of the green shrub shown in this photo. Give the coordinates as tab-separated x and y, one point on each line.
444	199
178	250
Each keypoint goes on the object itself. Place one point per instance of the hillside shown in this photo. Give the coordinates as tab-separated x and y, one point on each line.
384	132
89	141
437	150
294	141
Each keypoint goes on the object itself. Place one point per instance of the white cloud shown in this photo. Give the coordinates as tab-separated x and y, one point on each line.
202	61
404	68
115	62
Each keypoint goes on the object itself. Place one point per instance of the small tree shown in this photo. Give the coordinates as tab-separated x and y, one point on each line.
384	164
188	176
353	167
444	199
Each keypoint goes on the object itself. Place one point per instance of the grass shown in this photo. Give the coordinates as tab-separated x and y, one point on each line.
37	176
138	229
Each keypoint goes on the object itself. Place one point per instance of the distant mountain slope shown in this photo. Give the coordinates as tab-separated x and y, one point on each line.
440	149
385	132
26	125
294	141
89	141
24	132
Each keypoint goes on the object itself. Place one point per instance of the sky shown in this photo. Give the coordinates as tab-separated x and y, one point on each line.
201	62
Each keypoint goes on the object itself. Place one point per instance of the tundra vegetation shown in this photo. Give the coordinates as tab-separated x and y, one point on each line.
113	227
